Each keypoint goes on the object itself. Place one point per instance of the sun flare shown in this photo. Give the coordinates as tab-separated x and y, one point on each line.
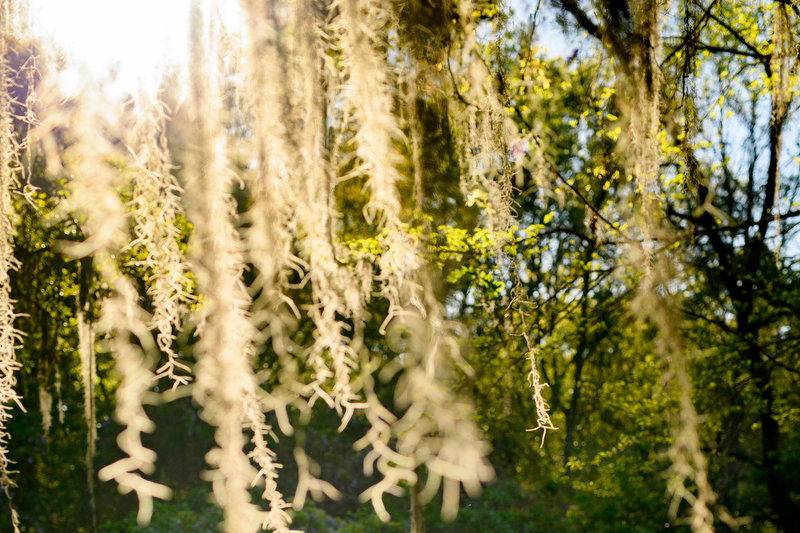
124	45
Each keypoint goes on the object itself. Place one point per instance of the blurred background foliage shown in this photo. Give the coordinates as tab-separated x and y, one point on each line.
604	469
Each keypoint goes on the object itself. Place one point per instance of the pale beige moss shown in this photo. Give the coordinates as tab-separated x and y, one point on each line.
655	302
9	335
224	380
543	422
155	205
121	319
486	133
293	90
435	431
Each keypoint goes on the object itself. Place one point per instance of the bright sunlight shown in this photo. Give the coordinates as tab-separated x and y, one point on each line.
124	44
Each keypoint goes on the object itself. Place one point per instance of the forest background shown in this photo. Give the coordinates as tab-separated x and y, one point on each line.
561	282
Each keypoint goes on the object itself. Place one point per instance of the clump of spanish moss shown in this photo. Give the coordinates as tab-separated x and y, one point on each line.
9	336
655	302
319	104
155	207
